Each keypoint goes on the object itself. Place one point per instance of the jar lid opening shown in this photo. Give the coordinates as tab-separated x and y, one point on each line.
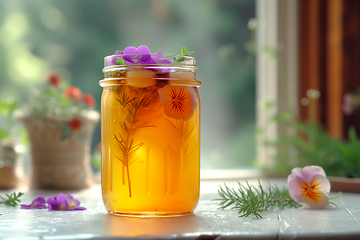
148	59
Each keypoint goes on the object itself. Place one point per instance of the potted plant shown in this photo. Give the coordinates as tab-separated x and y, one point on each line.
60	121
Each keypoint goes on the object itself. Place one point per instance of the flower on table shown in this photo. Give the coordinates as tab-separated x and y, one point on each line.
179	102
64	202
309	186
58	202
37	203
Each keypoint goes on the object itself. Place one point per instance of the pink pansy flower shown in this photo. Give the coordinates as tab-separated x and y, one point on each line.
309	186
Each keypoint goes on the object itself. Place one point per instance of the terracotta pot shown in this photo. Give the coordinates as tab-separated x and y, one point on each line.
60	151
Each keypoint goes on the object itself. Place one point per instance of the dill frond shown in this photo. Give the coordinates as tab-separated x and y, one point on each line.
249	200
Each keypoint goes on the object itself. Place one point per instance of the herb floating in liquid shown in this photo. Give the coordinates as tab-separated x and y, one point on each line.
12	200
133	102
251	200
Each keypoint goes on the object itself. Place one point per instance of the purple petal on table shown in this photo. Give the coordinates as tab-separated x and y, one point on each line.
37	203
61	199
72	202
52	203
57	202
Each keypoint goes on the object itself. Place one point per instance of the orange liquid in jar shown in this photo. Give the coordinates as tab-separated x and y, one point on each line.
150	139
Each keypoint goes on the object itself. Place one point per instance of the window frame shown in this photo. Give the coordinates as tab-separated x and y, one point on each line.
278	23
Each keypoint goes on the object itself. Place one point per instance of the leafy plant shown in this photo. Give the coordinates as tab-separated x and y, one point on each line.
307	143
349	154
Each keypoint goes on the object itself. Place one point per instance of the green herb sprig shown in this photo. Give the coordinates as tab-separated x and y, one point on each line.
184	52
12	199
249	200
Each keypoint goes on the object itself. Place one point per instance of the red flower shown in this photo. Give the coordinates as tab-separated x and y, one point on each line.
75	124
54	79
73	92
89	100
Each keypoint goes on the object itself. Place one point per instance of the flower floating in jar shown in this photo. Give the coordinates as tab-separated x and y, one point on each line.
179	102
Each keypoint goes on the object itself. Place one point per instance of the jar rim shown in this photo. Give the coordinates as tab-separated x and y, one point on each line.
153	59
106	82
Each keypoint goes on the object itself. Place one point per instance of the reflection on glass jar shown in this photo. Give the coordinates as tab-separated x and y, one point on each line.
150	135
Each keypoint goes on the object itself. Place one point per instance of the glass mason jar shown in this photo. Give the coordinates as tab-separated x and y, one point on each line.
150	137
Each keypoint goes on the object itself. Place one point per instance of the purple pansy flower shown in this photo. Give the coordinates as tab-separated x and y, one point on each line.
165	61
64	202
111	59
37	203
133	55
140	55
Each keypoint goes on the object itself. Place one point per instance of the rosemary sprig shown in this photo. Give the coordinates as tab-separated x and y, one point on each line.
12	200
133	102
249	200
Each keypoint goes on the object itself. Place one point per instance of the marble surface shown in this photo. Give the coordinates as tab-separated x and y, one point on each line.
207	222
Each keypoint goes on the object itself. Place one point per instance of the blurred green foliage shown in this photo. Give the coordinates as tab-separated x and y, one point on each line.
307	143
11	132
7	107
73	37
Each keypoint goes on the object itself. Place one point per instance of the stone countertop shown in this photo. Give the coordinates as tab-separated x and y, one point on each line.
207	222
